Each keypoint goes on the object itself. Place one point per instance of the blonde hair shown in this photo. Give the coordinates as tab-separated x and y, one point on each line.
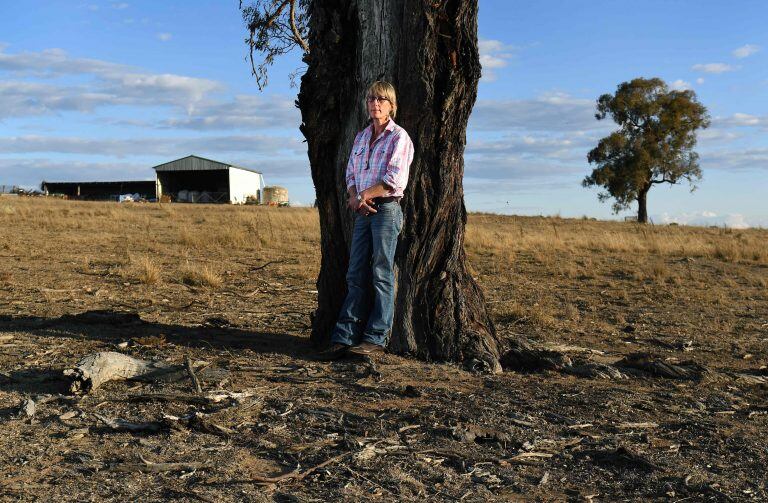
383	88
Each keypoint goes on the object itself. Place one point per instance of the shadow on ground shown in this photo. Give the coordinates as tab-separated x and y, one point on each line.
118	326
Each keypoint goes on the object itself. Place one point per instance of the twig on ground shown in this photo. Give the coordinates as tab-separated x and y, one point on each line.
296	474
191	372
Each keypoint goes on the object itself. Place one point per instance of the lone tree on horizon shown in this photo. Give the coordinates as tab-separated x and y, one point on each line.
429	51
654	143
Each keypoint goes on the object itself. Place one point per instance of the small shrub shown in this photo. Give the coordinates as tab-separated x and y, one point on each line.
200	276
147	272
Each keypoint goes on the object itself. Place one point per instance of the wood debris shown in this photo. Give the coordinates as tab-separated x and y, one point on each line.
96	369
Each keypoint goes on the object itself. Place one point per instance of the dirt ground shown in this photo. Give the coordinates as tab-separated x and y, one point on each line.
232	289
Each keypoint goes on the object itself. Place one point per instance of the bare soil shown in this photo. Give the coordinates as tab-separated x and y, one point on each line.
77	278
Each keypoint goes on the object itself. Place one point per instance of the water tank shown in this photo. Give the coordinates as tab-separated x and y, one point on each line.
275	195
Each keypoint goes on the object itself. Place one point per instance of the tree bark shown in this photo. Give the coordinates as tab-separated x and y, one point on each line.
642	208
428	50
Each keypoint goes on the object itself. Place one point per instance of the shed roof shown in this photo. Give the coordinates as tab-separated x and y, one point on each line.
197	163
105	182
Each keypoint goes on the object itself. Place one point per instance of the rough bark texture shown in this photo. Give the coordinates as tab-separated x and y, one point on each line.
428	50
642	205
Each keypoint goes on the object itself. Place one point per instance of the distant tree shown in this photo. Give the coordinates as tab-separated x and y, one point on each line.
653	145
429	51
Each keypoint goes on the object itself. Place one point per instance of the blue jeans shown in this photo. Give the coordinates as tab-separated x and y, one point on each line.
369	307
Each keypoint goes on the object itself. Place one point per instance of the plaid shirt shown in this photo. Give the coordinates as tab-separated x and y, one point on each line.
387	160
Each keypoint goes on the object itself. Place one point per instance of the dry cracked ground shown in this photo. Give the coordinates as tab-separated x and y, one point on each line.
650	383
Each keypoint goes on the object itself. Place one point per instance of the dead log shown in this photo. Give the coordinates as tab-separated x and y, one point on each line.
98	368
523	356
595	370
656	367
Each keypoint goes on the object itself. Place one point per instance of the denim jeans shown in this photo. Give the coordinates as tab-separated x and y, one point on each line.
368	309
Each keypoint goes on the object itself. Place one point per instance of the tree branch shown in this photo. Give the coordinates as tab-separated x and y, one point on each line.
274	16
296	34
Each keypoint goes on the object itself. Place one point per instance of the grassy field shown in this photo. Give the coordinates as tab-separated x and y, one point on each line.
234	286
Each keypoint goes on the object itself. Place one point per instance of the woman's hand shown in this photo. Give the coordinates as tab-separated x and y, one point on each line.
363	207
366	207
353	203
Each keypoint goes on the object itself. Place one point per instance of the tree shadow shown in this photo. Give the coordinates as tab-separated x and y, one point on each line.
118	326
34	381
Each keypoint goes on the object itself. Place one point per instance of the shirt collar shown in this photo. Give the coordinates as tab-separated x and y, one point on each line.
389	127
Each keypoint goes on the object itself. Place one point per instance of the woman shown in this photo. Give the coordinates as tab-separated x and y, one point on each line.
377	173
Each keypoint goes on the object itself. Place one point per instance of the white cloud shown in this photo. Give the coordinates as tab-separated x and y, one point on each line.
29	172
715	135
113	84
165	147
714	68
745	51
243	111
700	80
745	119
681	85
493	55
164	37
120	6
742	120
703	218
548	112
737	159
52	63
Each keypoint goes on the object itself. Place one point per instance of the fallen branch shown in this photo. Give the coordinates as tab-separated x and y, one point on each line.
150	467
296	474
123	425
654	366
191	372
98	368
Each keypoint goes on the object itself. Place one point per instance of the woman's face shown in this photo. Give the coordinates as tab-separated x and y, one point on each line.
379	107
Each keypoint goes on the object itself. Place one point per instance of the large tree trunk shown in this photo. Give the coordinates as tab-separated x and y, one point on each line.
428	50
642	207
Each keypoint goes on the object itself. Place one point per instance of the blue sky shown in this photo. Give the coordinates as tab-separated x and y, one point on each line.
105	90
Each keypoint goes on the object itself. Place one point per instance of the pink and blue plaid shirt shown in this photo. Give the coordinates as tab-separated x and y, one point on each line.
387	160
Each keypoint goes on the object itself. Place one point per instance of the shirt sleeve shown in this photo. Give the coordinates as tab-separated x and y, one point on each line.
396	173
350	173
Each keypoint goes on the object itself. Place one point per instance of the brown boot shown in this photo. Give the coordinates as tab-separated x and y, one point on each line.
335	351
365	349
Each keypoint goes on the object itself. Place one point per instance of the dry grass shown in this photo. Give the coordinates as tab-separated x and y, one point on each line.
537	237
547	262
536	314
146	271
196	275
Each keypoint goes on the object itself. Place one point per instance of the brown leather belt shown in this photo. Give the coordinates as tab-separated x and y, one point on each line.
382	200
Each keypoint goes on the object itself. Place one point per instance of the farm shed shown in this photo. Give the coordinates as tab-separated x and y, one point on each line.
195	179
100	191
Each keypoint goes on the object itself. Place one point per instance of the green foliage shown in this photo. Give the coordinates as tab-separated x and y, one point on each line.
654	143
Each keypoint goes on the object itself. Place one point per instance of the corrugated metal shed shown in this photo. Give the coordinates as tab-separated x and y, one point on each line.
195	163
